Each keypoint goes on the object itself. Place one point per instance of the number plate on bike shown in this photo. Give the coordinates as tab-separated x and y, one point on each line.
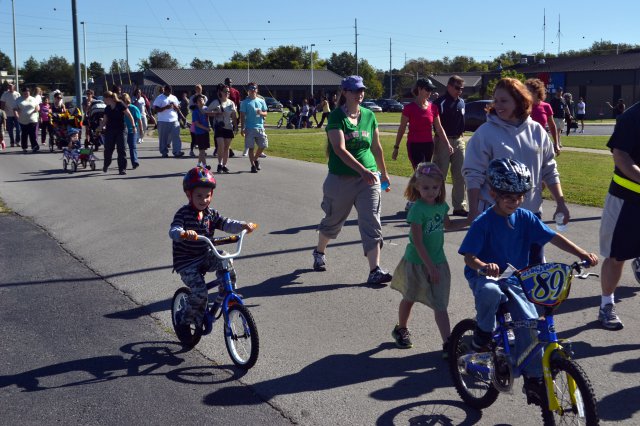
547	284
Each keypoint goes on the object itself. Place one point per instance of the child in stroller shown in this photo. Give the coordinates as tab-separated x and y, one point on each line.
73	154
62	122
94	119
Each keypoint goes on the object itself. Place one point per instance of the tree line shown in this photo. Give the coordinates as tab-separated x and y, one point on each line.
56	71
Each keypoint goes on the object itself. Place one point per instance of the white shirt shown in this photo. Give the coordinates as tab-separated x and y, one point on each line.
9	99
141	104
168	115
27	109
582	108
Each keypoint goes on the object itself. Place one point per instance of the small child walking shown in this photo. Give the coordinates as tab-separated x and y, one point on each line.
423	272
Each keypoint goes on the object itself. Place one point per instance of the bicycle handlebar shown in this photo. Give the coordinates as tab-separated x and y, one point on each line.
223	240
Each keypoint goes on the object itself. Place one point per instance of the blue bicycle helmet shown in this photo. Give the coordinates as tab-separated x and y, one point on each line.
198	177
509	176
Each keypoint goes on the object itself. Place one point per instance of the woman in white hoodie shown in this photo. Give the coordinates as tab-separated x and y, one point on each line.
510	133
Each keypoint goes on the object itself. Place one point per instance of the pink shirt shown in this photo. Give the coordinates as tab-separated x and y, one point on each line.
541	113
420	122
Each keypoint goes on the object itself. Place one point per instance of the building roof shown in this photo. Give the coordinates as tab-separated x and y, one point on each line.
470	80
624	61
266	77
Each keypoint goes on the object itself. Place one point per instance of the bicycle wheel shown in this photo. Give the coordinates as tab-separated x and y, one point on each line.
584	411
241	337
188	334
474	389
280	123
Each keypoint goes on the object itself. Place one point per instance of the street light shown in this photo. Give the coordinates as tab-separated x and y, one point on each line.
312	96
84	42
15	50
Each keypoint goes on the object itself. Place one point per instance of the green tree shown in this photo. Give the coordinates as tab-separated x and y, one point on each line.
284	57
491	86
30	71
118	66
200	64
96	69
5	62
343	64
158	59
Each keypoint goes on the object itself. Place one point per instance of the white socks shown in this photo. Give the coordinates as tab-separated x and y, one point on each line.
606	300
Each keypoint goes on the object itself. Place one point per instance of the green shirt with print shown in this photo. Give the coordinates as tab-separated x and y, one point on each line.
357	139
431	218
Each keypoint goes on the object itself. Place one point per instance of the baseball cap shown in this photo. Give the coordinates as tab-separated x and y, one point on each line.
353	82
251	87
425	83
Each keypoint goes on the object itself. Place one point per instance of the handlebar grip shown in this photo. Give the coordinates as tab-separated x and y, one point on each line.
225	240
185	236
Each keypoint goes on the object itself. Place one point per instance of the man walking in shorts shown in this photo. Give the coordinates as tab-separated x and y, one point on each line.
559	109
253	111
619	231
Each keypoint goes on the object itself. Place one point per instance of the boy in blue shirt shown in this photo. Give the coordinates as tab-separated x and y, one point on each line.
503	235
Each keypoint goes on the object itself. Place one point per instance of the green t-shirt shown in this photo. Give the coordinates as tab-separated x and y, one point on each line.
431	217
357	141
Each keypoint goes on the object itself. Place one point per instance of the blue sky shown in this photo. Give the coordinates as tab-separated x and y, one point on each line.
214	29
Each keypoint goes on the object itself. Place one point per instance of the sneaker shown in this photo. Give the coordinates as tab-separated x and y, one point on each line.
636	268
122	172
608	317
140	141
402	337
219	169
253	169
534	389
445	350
257	163
244	154
165	155
178	154
192	154
481	340
319	261
263	155
379	276
215	153
231	153
461	213
225	169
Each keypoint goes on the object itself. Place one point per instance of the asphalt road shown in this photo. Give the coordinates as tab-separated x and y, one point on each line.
326	352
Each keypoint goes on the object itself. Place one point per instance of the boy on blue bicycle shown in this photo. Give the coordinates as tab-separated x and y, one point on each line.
503	235
192	258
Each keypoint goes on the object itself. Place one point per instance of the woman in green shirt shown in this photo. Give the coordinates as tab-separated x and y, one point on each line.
356	169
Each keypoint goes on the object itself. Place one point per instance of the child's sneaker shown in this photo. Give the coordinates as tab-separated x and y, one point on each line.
534	389
402	337
481	340
608	317
379	276
319	261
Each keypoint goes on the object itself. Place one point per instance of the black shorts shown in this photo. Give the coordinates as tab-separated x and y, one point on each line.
579	116
201	141
419	152
224	133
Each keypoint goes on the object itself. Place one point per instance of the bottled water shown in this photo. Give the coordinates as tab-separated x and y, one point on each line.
385	186
560	226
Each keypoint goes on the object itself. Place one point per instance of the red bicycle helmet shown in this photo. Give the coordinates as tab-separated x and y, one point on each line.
198	177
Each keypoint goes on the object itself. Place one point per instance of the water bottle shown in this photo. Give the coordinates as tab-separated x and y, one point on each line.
560	226
385	186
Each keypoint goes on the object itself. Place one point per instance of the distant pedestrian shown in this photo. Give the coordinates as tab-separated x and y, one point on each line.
114	131
234	94
134	128
143	104
541	112
325	110
46	127
581	112
192	106
8	103
618	109
225	117
184	110
559	111
3	127
26	110
253	111
569	112
167	107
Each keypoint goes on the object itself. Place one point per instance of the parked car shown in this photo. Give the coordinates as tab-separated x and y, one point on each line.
390	105
372	106
273	105
475	114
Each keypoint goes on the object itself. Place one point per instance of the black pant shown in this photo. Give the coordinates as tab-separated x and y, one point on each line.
28	131
324	115
46	127
115	141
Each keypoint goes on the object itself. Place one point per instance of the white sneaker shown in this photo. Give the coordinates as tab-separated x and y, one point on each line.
140	140
263	155
245	153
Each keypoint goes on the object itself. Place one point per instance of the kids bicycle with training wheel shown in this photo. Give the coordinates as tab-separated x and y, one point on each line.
479	377
240	331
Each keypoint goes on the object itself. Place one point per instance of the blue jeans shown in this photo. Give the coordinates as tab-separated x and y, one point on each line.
169	132
132	140
488	297
12	123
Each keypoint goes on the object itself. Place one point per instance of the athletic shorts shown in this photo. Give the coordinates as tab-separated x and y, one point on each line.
224	133
255	136
619	230
201	141
579	116
559	123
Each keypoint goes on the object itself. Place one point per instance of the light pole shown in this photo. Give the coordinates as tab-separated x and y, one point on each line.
84	48
312	95
15	50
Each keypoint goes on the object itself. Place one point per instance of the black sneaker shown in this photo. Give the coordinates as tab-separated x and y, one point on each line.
481	341
225	169
219	169
379	276
319	261
178	154
253	169
461	213
402	336
122	172
257	163
534	389
231	153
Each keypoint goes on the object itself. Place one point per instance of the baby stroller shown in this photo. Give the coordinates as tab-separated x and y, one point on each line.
62	122
290	118
72	157
95	116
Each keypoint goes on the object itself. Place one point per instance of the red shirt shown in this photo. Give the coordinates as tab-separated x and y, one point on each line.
420	122
234	95
541	113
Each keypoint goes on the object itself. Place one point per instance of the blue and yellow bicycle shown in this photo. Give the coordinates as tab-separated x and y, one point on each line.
240	330
480	377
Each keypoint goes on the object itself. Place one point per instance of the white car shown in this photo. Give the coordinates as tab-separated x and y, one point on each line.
372	106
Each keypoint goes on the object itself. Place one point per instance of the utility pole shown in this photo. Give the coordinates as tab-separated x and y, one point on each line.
559	34
15	50
76	54
126	44
312	95
544	32
356	27
390	74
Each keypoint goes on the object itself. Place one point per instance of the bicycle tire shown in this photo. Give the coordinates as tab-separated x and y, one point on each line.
475	391
561	368
279	123
188	334
243	348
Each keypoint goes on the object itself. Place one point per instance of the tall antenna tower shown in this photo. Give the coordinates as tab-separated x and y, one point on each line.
559	34
356	30
544	32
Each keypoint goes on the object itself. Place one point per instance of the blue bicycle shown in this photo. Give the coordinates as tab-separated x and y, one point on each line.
240	331
480	377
